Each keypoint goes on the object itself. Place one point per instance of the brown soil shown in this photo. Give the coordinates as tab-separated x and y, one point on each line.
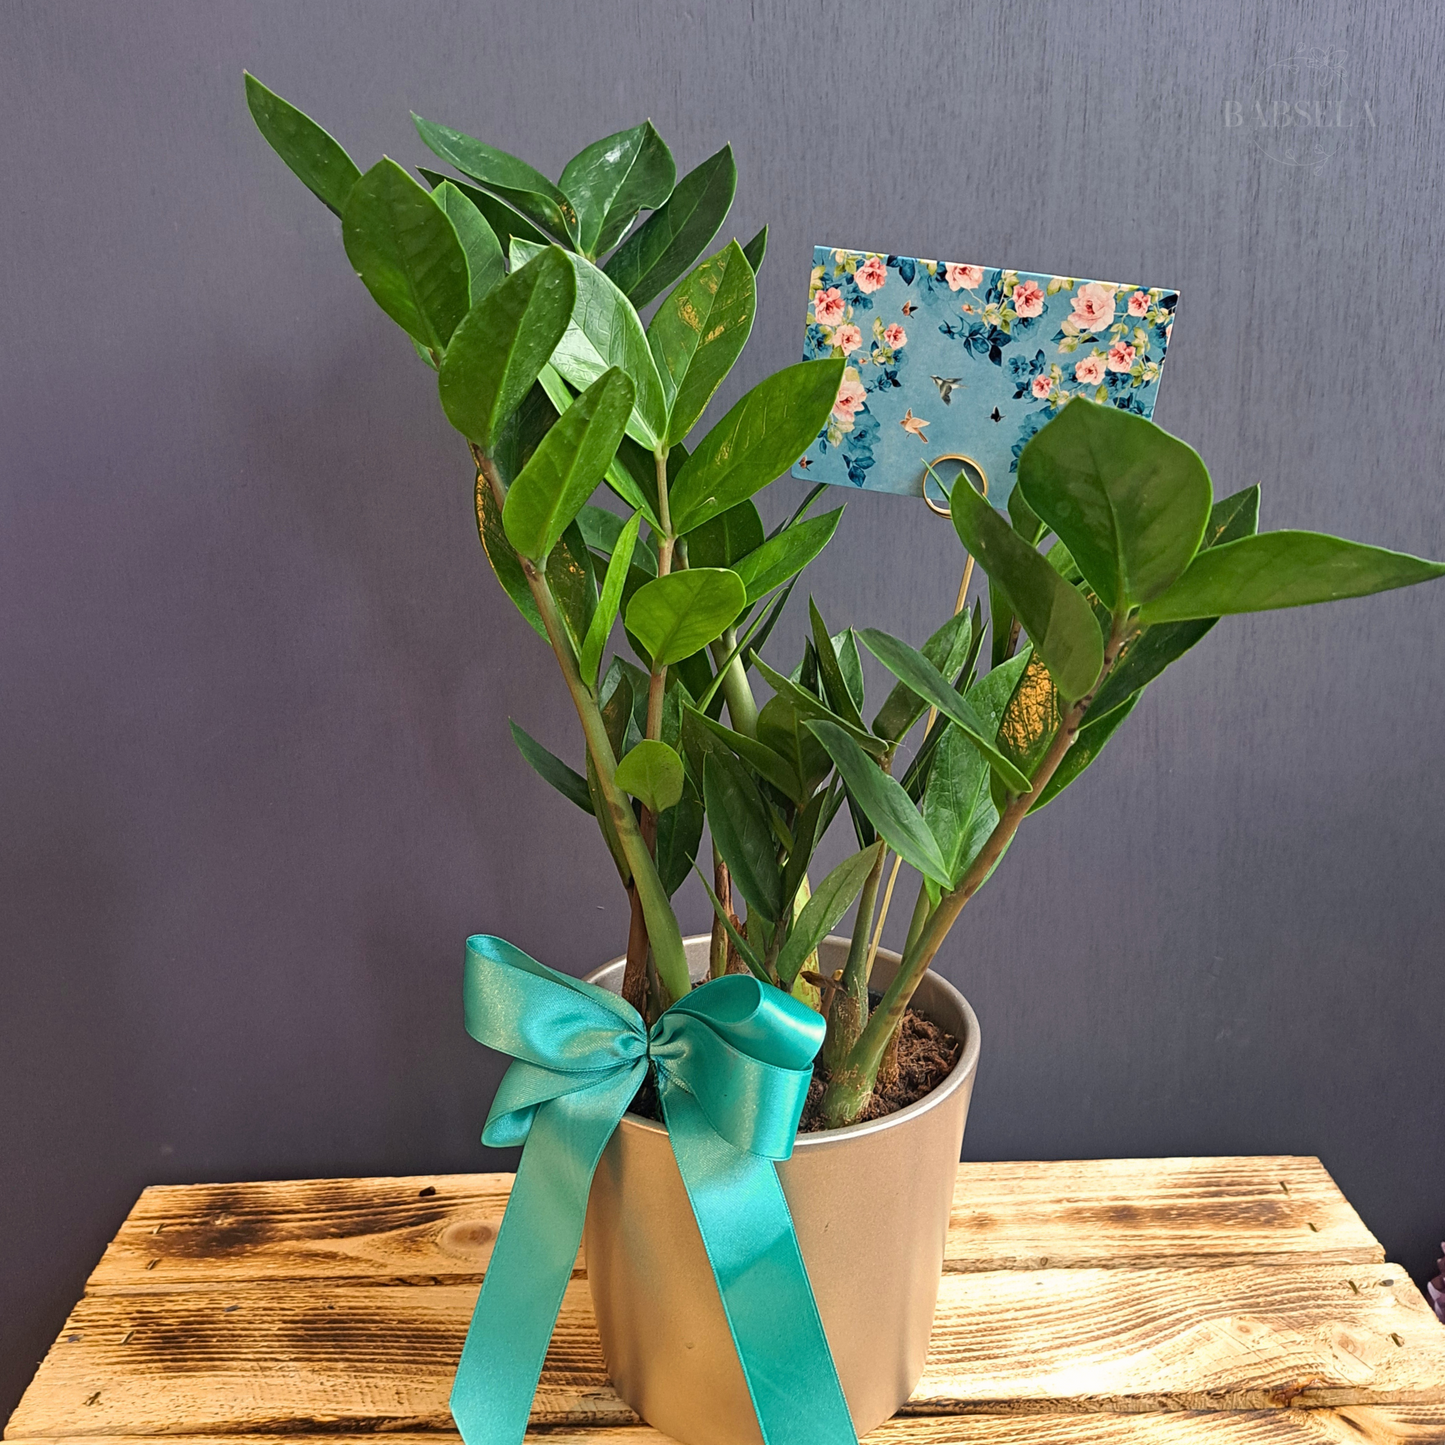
926	1056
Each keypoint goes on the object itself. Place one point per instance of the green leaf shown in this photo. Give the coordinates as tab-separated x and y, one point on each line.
811	709
679	831
783	555
910	666
957	806
668	242
947	651
565	469
633	476
699	331
756	249
1127	499
486	265
830	673
611	180
1057	617
652	773
757	441
743	833
313	156
882	801
726	538
550	768
759	756
600	628
1145	655
674	616
623	696
604	331
1031	719
1026	521
514	181
1001	622
830	901
1086	747
850	665
502	345
781	731
506	223
1284	569
402	245
990	695
602	528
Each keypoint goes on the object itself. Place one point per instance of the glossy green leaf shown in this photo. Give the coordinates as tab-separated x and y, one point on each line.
957	806
623	699
514	181
784	555
990	695
698	332
946	651
652	773
315	158
401	244
811	709
500	348
850	664
756	249
836	691
912	667
550	768
830	901
1026	522
566	468
1057	617
1086	747
674	616
667	243
781	730
756	442
1128	500
1284	569
633	476
725	539
882	800
1152	649
740	826
611	180
759	756
486	264
679	831
506	223
601	529
600	628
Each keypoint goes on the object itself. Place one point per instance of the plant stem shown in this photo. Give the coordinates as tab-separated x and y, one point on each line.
850	1005
920	915
850	1085
742	707
722	885
657	682
662	929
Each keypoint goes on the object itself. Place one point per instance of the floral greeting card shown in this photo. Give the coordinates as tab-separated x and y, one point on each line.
973	359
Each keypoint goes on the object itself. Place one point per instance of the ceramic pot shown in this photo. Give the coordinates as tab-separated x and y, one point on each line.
870	1204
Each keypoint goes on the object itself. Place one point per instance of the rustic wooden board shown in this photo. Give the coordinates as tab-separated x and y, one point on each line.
1068	1214
259	1357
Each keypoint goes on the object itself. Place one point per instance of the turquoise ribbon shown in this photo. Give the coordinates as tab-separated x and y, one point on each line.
732	1060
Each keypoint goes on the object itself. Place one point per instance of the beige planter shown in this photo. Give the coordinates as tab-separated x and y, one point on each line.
870	1204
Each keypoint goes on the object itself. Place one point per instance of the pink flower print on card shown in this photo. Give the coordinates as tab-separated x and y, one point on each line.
1028	298
1121	356
848	339
1139	304
963	278
828	307
871	274
1042	386
851	396
1089	370
1093	307
895	336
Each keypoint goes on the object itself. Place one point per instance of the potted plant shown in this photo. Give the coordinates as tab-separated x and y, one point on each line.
524	296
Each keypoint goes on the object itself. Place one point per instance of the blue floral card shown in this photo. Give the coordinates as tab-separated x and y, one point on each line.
946	358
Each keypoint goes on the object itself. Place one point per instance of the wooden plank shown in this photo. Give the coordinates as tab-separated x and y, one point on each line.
289	1358
1068	1214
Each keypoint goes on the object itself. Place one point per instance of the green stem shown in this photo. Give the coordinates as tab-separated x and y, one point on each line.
920	916
665	935
850	1003
742	706
657	682
850	1085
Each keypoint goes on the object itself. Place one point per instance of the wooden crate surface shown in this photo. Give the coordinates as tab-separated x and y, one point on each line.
1150	1301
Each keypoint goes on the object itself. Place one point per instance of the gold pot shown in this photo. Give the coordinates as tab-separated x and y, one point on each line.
870	1204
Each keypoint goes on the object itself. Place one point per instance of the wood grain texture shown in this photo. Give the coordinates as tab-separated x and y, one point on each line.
1005	1216
258	1357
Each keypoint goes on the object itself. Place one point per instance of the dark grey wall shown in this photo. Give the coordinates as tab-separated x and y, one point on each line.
255	779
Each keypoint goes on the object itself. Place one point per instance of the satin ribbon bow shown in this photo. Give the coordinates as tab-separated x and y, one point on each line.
733	1060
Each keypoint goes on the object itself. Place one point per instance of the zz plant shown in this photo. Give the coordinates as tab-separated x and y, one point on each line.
524	296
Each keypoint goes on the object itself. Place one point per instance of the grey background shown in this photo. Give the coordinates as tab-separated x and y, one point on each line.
255	778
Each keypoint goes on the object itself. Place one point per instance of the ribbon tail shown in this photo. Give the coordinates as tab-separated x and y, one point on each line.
532	1261
747	1231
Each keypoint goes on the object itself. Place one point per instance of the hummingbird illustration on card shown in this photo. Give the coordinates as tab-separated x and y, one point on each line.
951	359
